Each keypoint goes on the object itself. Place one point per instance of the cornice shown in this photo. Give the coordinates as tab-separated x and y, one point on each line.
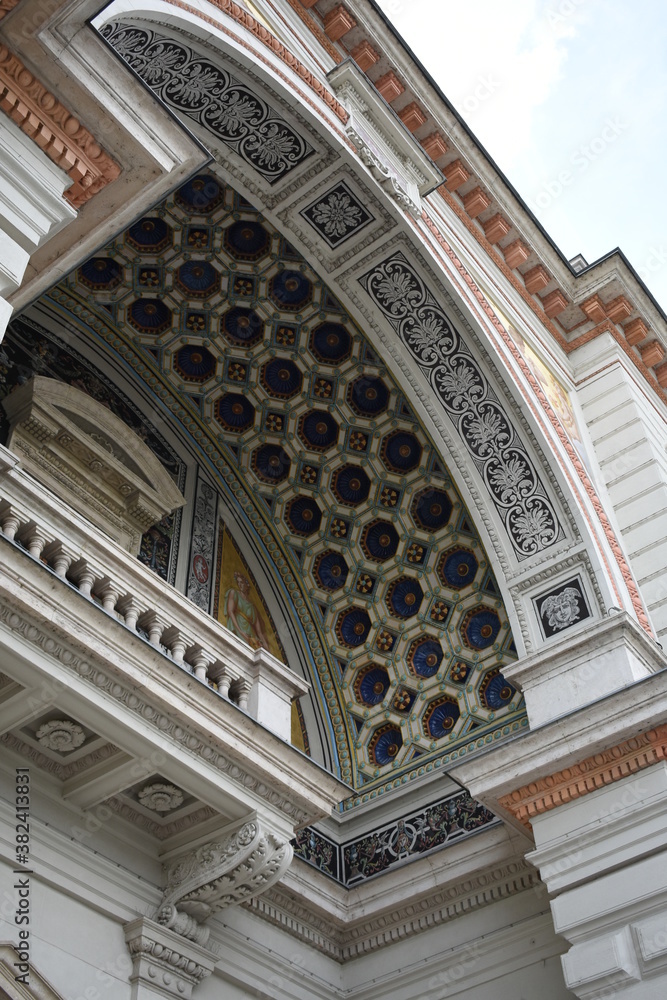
54	129
56	640
594	772
348	937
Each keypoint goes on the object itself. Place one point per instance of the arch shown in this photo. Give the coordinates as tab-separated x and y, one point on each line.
292	207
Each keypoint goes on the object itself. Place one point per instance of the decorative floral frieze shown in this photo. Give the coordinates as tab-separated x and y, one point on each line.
493	443
60	735
206	93
451	819
337	215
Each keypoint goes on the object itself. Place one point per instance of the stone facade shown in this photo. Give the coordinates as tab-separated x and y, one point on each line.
331	531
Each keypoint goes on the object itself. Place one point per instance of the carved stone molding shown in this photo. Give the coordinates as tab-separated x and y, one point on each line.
218	874
163	963
67	653
6	7
55	130
359	935
98	465
245	19
595	772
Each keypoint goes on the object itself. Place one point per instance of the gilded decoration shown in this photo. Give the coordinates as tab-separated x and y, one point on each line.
318	451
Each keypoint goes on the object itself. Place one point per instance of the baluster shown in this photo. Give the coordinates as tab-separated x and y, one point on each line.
199	660
154	625
59	558
84	576
219	673
34	539
240	692
130	609
109	594
10	523
176	642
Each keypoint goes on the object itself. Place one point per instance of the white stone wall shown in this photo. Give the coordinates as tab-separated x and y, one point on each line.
628	426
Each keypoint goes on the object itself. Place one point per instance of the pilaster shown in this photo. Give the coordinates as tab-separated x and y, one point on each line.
164	964
589	784
32	207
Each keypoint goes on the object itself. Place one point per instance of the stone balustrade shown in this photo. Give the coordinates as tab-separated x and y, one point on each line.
84	557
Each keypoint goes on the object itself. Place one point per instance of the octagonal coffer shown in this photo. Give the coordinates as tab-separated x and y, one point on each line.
234	412
379	540
303	516
401	451
330	343
431	509
480	627
350	485
385	745
149	315
352	627
494	691
404	597
194	363
242	326
270	463
197	278
201	194
246	240
368	396
457	567
371	685
100	273
330	570
150	235
424	657
290	290
281	378
318	430
440	717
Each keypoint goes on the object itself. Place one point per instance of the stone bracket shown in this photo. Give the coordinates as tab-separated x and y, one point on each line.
220	873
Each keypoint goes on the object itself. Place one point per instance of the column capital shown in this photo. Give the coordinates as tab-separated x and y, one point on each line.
164	964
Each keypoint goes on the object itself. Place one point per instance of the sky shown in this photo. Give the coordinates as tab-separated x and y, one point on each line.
569	97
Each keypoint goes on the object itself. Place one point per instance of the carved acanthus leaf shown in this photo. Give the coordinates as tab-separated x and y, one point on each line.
218	874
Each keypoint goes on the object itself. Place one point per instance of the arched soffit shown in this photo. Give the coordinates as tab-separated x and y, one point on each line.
319	451
532	507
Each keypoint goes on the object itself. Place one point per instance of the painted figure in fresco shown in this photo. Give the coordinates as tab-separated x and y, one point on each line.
243	618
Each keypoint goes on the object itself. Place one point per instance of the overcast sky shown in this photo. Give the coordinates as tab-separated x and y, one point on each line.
570	99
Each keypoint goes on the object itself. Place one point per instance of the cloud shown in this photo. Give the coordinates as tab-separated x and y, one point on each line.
497	63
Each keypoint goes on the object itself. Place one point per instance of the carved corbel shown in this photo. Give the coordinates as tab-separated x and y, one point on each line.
238	866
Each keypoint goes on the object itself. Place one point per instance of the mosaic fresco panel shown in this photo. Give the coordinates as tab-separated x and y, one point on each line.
414	836
267	366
